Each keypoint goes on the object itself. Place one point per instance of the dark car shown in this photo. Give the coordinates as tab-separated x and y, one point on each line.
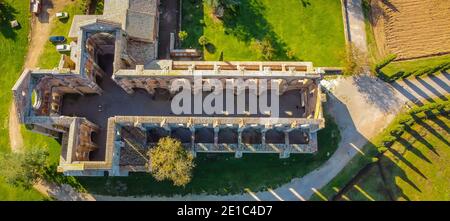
57	39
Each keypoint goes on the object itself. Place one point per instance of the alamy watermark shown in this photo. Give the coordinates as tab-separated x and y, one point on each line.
190	100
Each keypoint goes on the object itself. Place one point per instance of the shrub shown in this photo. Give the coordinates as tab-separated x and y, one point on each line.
383	63
182	35
203	40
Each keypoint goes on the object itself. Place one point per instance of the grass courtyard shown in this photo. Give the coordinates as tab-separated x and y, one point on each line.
307	30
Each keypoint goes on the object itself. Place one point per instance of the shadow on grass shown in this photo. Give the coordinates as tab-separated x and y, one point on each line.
7	14
249	24
224	174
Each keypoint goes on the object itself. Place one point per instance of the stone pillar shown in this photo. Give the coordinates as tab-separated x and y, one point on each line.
192	128
238	153
263	138
216	136
287	147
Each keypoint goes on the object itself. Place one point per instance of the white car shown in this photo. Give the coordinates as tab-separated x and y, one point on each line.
63	48
61	15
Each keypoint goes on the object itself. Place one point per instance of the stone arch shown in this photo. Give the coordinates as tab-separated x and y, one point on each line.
252	135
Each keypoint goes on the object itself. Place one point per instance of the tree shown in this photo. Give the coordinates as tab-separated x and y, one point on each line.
264	48
170	161
23	169
354	60
219	7
182	35
203	40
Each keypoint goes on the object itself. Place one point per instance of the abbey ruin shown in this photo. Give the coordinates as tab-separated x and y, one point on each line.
109	100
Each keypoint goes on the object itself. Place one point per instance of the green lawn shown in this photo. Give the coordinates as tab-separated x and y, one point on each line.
417	65
423	149
13	49
224	174
311	30
415	169
50	57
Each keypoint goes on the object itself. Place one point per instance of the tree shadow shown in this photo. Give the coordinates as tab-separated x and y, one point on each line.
418	90
410	147
192	23
305	3
7	14
422	123
211	48
377	92
249	24
399	88
441	83
390	5
420	138
44	16
431	88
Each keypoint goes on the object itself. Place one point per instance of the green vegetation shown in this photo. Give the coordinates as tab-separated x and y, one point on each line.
13	49
170	161
417	67
297	30
50	57
413	154
223	173
388	69
23	169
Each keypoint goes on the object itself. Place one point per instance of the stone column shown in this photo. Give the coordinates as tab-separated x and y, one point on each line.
216	136
192	128
238	153
263	138
286	150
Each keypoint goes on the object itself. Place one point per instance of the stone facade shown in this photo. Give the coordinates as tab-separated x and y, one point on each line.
39	96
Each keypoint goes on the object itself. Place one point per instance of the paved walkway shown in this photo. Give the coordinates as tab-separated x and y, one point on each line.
356	31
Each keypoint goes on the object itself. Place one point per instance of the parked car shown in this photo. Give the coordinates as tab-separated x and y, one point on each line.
57	39
63	48
61	15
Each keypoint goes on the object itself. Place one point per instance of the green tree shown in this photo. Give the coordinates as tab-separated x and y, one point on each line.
221	6
203	40
23	169
264	48
182	35
170	161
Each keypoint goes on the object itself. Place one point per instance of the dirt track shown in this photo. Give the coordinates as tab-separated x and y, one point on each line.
40	31
412	28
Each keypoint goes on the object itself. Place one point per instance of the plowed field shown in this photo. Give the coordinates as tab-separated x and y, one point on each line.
412	28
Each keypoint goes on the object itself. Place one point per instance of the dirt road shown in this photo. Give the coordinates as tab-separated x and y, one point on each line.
40	31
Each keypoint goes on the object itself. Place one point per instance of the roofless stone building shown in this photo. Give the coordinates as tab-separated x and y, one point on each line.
108	102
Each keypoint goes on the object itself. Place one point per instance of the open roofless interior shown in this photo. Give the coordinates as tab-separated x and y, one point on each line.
111	100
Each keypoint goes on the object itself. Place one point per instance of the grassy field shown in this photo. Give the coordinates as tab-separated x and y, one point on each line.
50	57
309	30
13	49
224	174
397	68
414	167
